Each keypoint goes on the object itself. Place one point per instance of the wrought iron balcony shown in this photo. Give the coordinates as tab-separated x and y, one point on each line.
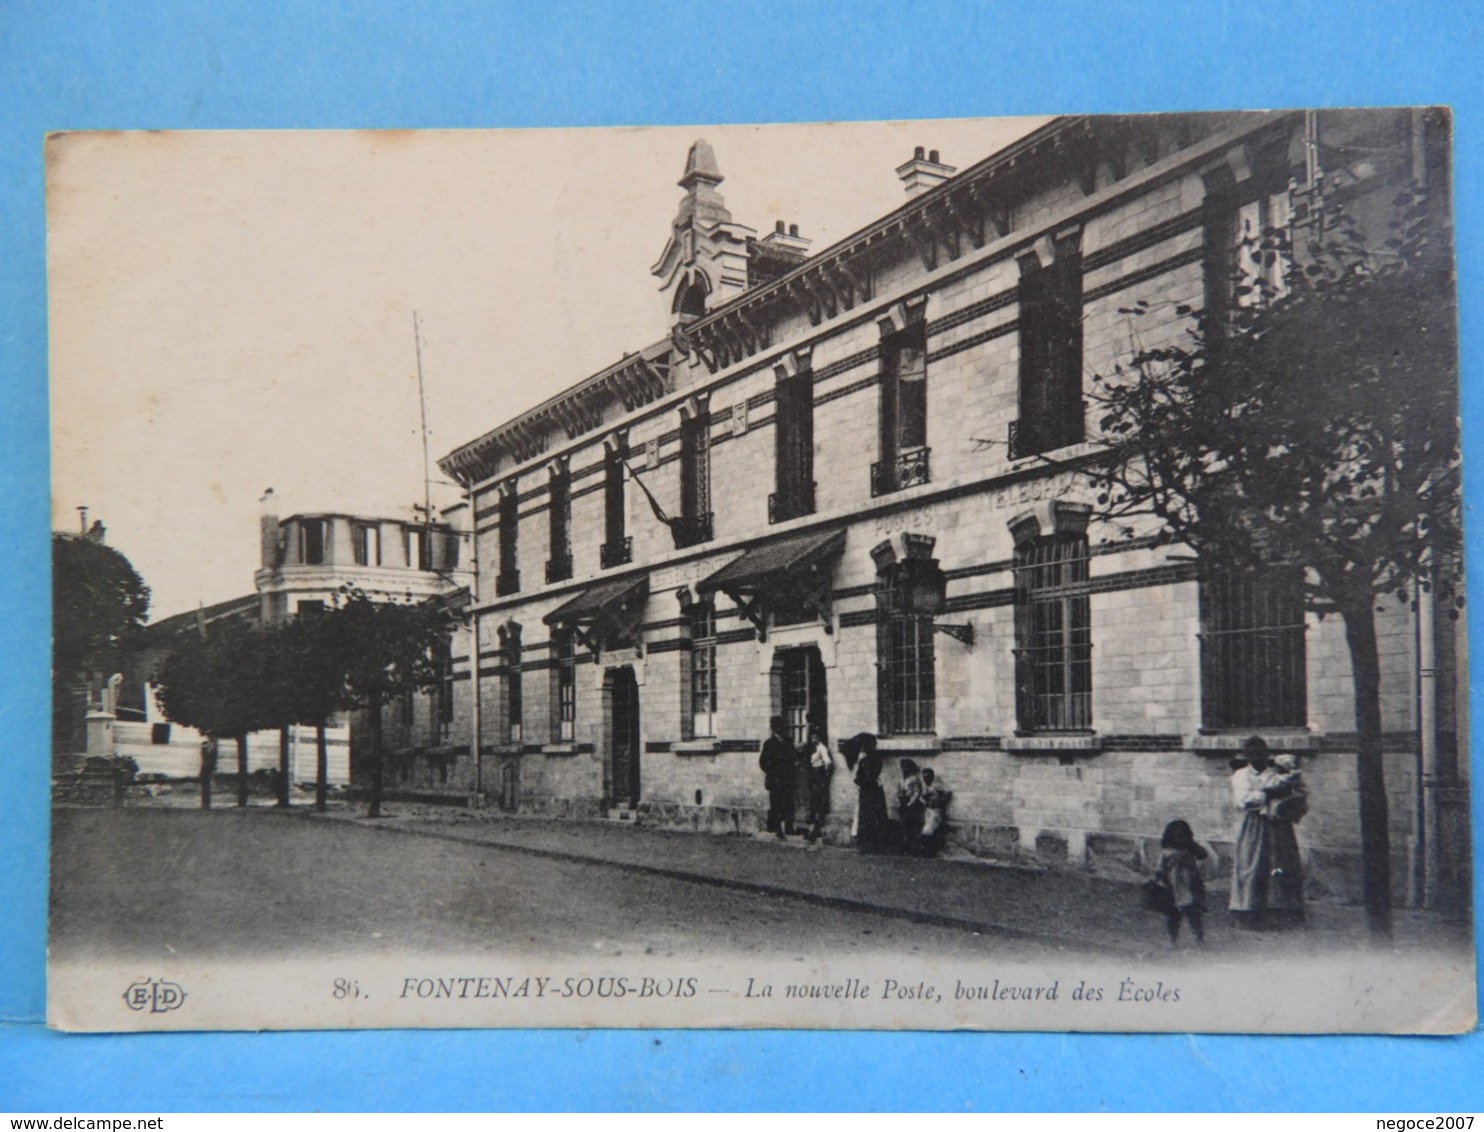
692	529
909	469
786	505
1032	437
559	568
507	582
616	553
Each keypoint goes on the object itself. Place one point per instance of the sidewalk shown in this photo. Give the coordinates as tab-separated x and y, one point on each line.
1065	909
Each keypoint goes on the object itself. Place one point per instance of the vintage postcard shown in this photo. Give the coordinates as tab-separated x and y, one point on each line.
978	574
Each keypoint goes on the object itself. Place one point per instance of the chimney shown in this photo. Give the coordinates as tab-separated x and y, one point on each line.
268	530
82	514
924	172
786	237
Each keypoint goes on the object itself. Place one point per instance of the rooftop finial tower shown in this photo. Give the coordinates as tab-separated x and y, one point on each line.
705	261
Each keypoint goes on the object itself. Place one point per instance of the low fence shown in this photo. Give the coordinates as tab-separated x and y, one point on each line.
174	751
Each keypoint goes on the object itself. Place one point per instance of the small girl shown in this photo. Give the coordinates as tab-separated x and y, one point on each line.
1179	873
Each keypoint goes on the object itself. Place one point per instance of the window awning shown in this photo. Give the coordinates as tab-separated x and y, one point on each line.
792	570
607	615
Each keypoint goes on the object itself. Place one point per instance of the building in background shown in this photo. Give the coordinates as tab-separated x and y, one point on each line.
309	561
849	488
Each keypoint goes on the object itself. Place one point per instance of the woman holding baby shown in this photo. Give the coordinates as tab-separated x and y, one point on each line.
1267	875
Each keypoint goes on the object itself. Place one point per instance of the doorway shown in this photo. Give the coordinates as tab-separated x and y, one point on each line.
624	732
803	698
802	703
510	785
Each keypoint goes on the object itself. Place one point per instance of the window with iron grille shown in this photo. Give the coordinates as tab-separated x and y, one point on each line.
695	478
1252	649
615	549
559	560
702	617
903	410
1053	637
793	452
564	675
508	581
907	694
1050	384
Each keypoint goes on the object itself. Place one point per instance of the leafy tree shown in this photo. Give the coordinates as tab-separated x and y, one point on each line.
312	686
384	650
99	604
1313	425
222	684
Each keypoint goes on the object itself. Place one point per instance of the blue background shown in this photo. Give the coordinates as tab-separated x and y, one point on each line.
271	63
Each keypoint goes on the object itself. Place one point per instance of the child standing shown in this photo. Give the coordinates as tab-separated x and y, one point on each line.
1180	874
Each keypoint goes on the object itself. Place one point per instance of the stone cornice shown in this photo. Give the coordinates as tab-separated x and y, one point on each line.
958	226
632	382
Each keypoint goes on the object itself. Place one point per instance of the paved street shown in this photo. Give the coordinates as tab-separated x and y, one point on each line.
155	881
177	882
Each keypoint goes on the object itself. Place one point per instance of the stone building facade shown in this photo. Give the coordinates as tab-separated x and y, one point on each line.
850	488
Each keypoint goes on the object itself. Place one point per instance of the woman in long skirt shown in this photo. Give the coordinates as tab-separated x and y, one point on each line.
872	825
1267	874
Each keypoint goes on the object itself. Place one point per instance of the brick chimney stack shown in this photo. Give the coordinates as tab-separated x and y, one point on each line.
786	236
268	530
924	172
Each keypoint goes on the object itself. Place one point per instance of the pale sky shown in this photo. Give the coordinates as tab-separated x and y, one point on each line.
232	311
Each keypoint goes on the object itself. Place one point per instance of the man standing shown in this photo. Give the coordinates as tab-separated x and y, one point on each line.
778	764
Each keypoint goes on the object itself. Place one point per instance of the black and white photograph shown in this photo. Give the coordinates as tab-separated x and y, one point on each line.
989	574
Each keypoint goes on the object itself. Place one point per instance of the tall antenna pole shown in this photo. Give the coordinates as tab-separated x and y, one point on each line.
422	403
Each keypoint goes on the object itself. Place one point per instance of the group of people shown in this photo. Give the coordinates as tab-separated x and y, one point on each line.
1267	891
1267	788
922	800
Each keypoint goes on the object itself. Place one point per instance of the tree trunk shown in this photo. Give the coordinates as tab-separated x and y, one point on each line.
242	769
377	760
1375	835
283	765
321	766
208	768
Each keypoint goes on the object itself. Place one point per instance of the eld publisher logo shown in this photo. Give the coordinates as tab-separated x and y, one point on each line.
154	995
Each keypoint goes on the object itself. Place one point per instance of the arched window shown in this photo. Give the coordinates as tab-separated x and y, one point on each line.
690	297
